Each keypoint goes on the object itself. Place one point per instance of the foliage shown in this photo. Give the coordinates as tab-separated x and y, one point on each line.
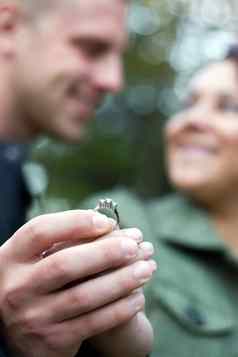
124	146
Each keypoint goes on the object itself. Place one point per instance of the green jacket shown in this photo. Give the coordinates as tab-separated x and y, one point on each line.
192	301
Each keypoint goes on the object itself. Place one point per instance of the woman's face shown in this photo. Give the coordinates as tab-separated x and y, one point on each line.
202	140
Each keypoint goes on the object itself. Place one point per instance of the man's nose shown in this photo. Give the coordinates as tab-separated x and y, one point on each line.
109	77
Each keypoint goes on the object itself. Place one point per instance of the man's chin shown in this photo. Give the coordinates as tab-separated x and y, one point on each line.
70	136
86	116
75	137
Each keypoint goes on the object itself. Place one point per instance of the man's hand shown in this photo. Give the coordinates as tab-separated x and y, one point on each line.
135	336
50	305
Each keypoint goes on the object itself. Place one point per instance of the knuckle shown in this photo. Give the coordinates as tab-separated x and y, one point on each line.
134	232
33	228
10	301
111	251
12	297
80	300
29	322
94	324
90	327
58	268
127	282
26	323
54	339
122	282
119	314
62	338
37	227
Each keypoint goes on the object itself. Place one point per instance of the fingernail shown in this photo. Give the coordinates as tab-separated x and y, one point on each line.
129	248
147	249
101	222
142	271
137	301
153	265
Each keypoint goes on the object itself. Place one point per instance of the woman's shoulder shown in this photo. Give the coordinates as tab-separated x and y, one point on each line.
130	202
169	203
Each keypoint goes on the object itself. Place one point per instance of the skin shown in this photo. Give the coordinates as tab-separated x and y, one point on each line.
36	308
60	68
202	142
55	68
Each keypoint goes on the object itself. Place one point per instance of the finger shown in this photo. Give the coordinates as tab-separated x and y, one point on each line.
64	273
42	232
95	293
133	233
80	262
146	251
100	320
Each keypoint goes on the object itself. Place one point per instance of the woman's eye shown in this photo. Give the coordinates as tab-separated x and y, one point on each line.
230	107
187	103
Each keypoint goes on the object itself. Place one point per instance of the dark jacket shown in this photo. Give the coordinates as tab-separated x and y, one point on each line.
14	196
14	203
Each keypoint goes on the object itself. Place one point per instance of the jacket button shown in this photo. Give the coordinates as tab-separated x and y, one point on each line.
195	316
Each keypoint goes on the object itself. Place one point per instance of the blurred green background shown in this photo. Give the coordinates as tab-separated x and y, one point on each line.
169	40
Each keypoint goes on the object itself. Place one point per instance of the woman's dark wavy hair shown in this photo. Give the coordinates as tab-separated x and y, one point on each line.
232	53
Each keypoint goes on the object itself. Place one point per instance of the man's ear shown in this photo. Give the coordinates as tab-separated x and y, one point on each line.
9	22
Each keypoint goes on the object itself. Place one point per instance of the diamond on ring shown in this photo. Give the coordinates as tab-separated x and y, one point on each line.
108	205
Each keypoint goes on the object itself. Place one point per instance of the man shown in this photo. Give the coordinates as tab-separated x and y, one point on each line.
58	59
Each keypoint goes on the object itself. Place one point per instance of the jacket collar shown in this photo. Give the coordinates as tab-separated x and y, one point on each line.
179	221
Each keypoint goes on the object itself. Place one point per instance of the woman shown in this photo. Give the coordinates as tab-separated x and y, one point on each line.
193	301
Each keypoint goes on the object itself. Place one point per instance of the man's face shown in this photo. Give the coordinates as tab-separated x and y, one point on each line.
66	62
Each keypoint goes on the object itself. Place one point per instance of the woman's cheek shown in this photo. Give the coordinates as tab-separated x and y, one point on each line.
174	126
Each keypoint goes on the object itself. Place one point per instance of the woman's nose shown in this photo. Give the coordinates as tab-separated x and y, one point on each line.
199	118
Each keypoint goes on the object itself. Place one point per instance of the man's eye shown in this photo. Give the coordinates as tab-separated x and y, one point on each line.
90	48
95	49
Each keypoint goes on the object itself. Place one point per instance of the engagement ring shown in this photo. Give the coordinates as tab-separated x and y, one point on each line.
109	207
